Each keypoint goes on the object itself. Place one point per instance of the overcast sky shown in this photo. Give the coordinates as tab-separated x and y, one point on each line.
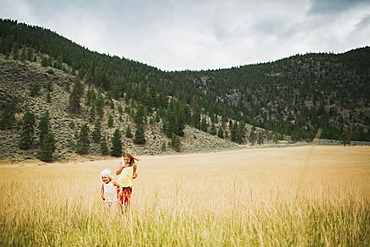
201	34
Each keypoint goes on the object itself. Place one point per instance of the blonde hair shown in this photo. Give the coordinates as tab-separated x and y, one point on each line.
128	154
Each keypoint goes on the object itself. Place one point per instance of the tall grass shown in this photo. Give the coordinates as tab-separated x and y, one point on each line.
60	205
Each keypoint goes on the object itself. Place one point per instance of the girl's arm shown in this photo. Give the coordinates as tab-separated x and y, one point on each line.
120	167
135	169
116	184
102	192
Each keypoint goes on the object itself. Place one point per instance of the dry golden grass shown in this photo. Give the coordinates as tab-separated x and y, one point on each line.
299	196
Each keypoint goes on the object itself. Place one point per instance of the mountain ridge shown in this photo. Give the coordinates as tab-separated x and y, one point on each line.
291	98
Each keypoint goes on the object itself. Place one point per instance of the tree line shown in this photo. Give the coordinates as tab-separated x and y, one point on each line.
293	96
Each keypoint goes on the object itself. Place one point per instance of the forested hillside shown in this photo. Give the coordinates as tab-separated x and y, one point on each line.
294	96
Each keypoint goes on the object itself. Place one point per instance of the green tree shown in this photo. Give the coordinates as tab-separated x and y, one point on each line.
74	102
116	148
8	115
234	131
196	118
83	143
253	136
110	121
346	138
203	125
99	107
163	146
259	138
220	132
92	114
28	128
104	147
48	97
96	133
44	127
128	132
176	143
140	115
90	97
240	136
213	130
23	54
29	54
276	137
47	148
35	89
71	125
140	135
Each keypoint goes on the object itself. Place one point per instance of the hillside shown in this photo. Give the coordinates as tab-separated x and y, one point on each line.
16	80
295	95
288	99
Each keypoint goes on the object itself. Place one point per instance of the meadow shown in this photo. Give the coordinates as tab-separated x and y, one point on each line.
294	196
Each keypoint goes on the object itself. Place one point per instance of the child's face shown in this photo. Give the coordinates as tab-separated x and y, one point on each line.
106	179
126	160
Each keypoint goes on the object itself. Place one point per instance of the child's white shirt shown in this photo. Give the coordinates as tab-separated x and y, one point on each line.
110	192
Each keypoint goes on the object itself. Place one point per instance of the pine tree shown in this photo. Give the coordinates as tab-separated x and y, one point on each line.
35	89
259	138
140	115
47	148
116	149
44	127
99	107
8	115
220	133
28	128
29	54
234	130
128	132
75	97
213	130
196	118
346	138
104	147
181	119
83	143
74	103
240	136
253	136
92	114
48	97
90	97
164	146
203	126
16	52
96	134
276	137
170	125
23	54
110	121
140	135
175	142
71	125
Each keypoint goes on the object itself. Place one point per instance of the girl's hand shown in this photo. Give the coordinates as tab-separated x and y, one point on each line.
135	175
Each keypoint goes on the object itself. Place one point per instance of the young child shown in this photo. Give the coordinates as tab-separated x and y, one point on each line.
108	188
126	172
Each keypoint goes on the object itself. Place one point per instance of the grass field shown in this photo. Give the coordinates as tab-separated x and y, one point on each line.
297	196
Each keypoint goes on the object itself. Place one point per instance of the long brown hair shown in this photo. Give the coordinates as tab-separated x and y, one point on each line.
128	154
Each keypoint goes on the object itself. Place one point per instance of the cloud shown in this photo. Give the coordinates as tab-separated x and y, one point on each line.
201	34
334	6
